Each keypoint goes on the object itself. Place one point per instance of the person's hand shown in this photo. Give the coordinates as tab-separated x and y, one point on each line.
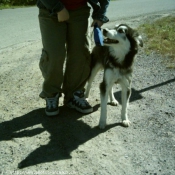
99	23
63	15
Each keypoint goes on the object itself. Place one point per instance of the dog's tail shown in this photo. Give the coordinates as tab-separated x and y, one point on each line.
92	64
93	61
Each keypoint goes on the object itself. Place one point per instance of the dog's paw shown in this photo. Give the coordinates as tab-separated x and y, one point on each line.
102	125
114	103
126	123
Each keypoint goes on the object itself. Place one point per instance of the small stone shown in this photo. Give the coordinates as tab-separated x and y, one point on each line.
104	155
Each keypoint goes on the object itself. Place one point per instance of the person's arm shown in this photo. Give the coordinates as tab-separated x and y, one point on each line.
99	12
103	6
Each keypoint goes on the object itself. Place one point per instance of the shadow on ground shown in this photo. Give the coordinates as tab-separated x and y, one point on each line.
66	131
66	134
136	94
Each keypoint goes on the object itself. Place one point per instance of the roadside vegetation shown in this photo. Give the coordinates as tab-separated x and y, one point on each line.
4	4
160	37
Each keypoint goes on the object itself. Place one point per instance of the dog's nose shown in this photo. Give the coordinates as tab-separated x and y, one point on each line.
104	32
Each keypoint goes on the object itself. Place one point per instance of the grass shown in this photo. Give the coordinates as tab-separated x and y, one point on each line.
8	6
160	37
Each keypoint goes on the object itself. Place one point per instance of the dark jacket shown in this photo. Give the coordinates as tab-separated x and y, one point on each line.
99	7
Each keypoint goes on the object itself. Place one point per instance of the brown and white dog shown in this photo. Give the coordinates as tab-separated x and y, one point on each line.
116	57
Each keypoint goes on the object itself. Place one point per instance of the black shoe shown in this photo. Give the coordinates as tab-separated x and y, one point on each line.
52	106
79	103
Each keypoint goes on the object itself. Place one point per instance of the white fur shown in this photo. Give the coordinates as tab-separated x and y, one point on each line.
112	76
139	41
122	47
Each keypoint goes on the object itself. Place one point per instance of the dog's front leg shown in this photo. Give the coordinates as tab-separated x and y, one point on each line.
103	115
105	87
126	92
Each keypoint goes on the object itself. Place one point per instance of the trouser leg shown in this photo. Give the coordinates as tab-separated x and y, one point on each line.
53	54
78	52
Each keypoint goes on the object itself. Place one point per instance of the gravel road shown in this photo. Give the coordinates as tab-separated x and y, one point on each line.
71	143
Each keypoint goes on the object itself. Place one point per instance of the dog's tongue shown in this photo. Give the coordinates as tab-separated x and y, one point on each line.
110	41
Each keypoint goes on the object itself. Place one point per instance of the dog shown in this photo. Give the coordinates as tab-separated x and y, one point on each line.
116	57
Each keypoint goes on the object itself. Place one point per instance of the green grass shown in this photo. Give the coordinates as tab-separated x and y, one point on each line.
8	6
160	37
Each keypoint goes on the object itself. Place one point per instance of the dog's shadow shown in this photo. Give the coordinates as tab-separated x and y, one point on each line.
137	94
66	134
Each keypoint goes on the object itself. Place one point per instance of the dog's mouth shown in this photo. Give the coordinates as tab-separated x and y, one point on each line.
110	41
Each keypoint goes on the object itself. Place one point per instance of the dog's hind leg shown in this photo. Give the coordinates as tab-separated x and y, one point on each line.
105	87
126	92
94	71
113	101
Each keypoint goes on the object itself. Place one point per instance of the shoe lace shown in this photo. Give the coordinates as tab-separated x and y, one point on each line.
52	102
82	101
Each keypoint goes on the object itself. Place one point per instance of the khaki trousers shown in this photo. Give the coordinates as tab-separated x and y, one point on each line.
62	40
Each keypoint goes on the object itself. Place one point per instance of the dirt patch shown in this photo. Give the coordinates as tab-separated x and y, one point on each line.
71	143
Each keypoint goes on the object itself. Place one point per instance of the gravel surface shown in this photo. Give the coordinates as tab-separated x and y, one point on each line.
71	143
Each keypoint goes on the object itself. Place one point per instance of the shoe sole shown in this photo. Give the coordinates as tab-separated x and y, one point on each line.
52	113
84	111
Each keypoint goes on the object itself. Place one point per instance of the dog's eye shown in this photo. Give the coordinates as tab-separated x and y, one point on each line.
121	31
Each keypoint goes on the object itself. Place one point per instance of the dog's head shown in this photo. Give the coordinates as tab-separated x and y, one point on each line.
122	35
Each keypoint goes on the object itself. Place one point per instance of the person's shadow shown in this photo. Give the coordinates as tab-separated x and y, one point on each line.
66	134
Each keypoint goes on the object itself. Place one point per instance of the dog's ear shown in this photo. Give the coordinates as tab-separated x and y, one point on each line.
140	41
138	38
116	26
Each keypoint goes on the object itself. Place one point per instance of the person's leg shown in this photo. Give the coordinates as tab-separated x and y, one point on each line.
78	60
78	52
53	35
